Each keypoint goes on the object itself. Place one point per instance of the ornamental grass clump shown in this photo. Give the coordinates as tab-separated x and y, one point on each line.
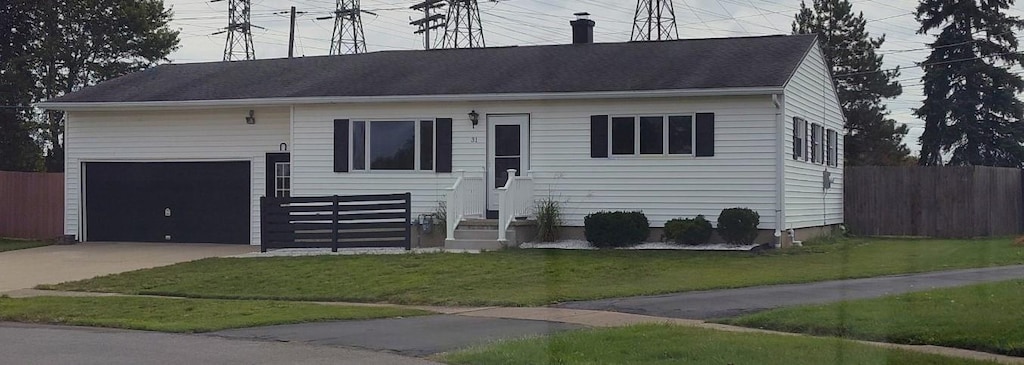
549	219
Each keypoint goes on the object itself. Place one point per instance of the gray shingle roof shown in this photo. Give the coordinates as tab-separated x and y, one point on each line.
669	65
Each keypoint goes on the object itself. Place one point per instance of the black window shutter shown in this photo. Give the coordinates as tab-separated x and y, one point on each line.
444	145
705	134
341	145
599	136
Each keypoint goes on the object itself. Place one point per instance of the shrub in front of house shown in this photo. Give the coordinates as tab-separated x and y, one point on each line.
616	229
738	226
689	231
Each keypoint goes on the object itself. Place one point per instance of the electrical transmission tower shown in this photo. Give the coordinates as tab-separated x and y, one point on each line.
450	24
655	20
348	35
463	29
238	45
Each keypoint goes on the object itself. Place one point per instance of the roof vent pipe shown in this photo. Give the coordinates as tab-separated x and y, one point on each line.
582	29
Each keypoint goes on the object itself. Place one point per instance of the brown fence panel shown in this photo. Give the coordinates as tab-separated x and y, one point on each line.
31	205
944	201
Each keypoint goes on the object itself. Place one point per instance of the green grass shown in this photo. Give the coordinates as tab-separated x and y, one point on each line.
539	277
11	245
665	344
179	315
984	317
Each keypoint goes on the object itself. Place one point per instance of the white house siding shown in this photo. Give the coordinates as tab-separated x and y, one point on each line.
810	95
742	172
171	135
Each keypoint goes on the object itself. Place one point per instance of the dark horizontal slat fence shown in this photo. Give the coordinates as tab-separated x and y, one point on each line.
336	222
31	205
942	201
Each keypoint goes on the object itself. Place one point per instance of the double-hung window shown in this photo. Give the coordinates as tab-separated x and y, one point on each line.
392	145
652	135
815	143
799	139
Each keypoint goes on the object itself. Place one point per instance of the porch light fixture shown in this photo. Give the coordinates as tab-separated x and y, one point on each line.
251	119
474	117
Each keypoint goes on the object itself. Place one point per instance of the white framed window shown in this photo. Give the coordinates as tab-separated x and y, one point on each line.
652	135
799	139
833	148
392	145
282	179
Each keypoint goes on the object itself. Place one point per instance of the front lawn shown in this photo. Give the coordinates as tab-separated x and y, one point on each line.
666	344
179	315
985	317
11	245
540	277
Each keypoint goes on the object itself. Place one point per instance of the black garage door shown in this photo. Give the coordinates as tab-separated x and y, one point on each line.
189	202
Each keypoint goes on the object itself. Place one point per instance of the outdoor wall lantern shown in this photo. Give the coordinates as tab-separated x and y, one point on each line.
251	119
474	117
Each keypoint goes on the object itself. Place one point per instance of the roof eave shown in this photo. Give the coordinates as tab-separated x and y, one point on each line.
228	103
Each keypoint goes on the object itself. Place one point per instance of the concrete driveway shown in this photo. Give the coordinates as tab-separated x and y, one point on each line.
22	269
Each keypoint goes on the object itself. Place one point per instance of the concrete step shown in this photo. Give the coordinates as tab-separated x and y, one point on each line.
491	224
483	245
476	234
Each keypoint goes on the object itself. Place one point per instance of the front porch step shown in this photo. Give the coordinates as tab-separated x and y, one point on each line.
483	245
478	234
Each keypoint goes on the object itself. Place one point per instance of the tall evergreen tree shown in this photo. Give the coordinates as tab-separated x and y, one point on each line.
18	149
971	110
83	42
872	138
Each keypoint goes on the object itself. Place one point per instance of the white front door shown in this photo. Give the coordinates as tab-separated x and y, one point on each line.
508	147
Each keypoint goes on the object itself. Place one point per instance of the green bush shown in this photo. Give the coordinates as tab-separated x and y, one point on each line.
549	219
738	226
689	231
616	229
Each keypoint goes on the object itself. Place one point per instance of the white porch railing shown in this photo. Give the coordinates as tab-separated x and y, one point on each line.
514	200
465	199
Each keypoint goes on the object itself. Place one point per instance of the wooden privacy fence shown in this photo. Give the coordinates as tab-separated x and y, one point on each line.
31	205
336	222
943	201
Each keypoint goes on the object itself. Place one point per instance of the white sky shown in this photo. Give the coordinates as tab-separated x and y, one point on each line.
529	22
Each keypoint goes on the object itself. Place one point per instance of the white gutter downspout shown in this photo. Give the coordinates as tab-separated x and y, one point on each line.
780	168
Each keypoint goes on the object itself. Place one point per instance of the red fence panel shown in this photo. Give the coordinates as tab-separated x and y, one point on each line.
31	205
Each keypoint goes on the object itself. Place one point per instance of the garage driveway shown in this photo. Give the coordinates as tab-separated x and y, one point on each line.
22	269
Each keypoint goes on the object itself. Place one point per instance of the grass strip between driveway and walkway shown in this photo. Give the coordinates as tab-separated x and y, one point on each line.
984	317
180	315
11	245
667	344
521	277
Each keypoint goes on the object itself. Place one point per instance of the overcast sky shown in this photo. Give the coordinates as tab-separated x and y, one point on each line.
528	22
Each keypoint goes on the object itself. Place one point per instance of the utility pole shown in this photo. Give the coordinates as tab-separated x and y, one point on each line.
238	45
431	21
291	35
463	28
654	20
348	36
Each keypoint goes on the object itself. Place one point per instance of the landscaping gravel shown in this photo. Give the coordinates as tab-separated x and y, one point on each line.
584	245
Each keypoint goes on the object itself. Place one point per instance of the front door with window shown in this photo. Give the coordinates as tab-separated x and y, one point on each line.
279	175
508	147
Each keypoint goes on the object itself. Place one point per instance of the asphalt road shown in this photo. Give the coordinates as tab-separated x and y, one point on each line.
736	302
58	345
414	336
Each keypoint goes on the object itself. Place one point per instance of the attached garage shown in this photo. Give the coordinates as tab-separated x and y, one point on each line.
186	202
